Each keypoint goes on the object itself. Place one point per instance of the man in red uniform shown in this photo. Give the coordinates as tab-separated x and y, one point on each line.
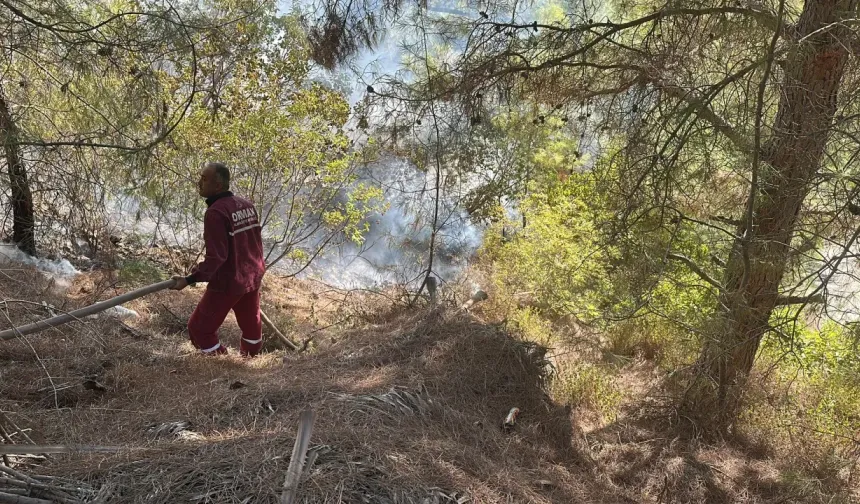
233	266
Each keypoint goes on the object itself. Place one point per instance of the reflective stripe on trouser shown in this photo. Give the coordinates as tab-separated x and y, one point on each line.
211	312
215	350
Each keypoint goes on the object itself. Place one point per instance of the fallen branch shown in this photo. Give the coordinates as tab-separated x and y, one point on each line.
7	498
65	318
5	420
16	474
28	485
19	488
34	449
278	333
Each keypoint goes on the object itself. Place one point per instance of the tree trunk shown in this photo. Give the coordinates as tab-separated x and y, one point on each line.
790	159
23	223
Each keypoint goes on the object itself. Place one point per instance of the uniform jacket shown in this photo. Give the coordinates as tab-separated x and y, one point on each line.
234	246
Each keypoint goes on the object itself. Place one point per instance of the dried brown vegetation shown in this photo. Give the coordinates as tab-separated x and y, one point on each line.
409	409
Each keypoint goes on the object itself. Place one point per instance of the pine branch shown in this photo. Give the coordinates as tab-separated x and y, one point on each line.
696	269
794	300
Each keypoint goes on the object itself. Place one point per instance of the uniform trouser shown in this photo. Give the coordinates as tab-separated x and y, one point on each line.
210	314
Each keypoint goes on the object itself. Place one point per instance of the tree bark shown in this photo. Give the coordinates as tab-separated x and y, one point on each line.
790	159
23	220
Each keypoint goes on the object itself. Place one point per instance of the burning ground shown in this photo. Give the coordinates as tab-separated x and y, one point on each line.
409	404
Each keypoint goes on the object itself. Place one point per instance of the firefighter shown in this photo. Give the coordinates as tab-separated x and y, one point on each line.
233	266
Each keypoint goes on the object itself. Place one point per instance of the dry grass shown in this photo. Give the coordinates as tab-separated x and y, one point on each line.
438	440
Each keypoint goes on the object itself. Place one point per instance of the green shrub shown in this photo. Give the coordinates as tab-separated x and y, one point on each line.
586	385
139	272
533	327
805	403
654	339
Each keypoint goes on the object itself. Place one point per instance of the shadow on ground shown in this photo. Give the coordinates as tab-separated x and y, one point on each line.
407	410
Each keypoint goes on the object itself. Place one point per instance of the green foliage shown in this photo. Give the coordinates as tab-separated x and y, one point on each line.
576	382
557	258
534	327
654	338
511	157
139	272
587	385
284	140
825	360
805	402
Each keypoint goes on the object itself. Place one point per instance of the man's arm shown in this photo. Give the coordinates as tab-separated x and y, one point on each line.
215	236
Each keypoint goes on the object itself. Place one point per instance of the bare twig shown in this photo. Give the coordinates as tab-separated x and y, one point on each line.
795	300
313	334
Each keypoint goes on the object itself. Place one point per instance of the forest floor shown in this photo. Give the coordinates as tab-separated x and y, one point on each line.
409	405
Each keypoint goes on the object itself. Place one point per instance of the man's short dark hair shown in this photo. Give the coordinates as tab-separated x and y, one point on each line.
223	173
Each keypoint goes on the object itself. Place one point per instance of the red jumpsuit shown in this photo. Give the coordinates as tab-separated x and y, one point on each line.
234	268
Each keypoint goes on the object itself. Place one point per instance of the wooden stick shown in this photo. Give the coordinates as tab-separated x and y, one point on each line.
7	439
290	493
278	333
7	498
84	312
18	430
16	474
33	449
58	493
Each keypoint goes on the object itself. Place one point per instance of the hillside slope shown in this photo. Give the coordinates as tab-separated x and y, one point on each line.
409	406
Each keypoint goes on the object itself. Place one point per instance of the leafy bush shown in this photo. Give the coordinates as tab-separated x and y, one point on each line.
533	327
557	258
807	401
587	385
139	272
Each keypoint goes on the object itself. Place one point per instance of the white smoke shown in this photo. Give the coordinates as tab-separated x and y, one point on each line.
838	274
395	248
397	245
58	269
